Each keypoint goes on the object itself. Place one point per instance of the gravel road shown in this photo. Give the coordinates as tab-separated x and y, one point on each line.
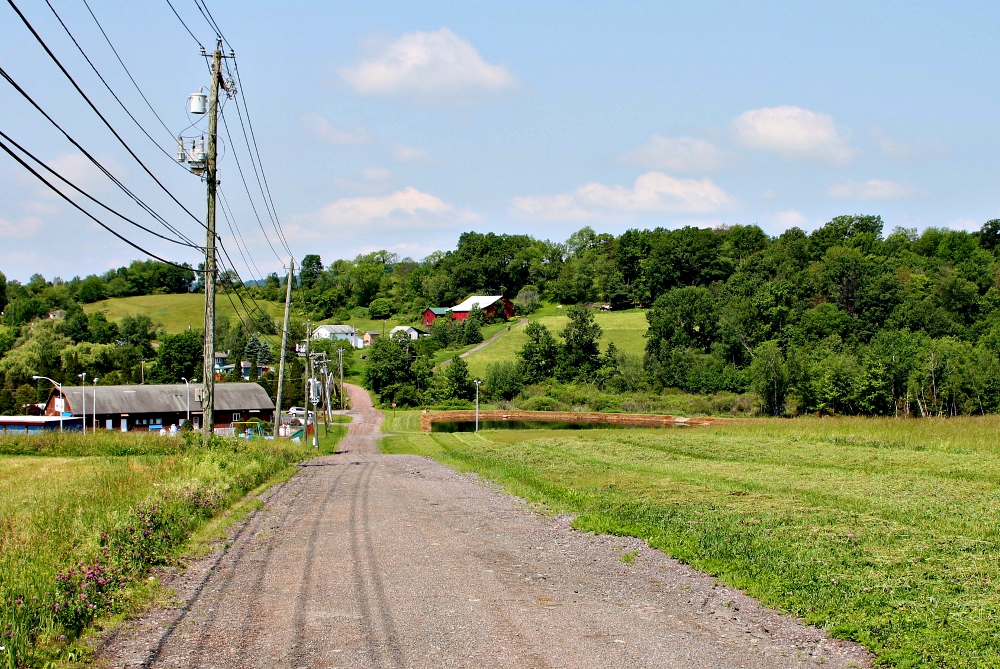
367	560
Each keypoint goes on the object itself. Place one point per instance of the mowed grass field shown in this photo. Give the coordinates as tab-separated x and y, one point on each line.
625	328
881	531
176	312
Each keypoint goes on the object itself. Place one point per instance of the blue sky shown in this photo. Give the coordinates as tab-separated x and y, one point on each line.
400	125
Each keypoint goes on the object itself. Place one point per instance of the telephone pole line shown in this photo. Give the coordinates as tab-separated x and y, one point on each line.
284	346
208	393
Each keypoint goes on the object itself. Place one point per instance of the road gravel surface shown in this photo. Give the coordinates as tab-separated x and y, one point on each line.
365	560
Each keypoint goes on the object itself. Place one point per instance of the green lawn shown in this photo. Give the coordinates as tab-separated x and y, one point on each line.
176	312
881	531
624	328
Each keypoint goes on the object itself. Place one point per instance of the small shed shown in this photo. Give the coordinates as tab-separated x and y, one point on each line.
409	331
370	337
432	313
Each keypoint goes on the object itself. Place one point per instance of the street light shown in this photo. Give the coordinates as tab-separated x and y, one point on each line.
61	395
477	382
188	386
83	391
93	425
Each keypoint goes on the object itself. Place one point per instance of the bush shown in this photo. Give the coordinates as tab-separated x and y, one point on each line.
541	403
503	381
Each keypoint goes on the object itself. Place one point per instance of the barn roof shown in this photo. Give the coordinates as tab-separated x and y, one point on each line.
164	398
438	311
482	300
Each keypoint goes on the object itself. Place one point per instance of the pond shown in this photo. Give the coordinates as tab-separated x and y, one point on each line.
470	425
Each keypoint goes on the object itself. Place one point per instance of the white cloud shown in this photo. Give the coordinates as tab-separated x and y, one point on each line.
407	209
790	218
899	150
408	154
683	154
77	169
793	133
318	127
376	174
23	229
654	192
769	194
429	65
873	189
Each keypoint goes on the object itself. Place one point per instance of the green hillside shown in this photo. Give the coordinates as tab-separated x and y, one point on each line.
625	328
174	312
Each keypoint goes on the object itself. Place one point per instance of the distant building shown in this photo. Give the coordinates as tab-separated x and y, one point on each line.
370	337
491	305
151	407
58	313
347	333
431	313
36	424
409	330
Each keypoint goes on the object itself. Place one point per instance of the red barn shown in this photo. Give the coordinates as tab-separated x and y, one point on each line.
431	313
492	305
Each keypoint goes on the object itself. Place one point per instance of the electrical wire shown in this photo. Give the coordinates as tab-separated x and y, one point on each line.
131	78
210	20
198	41
246	186
108	86
91	198
97	163
267	188
51	55
238	236
86	213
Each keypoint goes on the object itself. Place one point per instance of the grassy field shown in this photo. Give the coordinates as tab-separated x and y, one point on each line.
884	532
175	312
624	328
83	518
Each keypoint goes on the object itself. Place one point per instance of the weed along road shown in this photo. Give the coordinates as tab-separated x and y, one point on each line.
371	560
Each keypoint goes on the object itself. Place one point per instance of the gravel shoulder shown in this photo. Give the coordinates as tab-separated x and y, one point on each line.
370	560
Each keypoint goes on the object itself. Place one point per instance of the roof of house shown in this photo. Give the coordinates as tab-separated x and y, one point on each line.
438	311
482	300
335	329
169	397
406	328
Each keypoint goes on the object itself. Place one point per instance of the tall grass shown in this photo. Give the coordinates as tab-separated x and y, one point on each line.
80	525
884	532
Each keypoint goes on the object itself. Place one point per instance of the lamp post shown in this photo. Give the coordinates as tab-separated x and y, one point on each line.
93	426
83	391
477	382
62	396
188	386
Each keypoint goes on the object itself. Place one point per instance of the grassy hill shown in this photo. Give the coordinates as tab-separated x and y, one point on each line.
624	328
175	312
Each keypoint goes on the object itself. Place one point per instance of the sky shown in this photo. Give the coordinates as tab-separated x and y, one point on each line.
398	126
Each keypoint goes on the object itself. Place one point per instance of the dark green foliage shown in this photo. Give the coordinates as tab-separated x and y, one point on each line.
179	357
538	355
457	383
310	269
503	381
579	354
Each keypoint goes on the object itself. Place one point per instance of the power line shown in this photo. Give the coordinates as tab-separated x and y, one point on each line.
131	78
267	188
51	55
198	41
91	198
86	213
210	20
231	221
246	186
94	160
108	86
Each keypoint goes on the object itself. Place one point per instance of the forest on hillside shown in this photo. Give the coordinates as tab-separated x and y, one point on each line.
848	319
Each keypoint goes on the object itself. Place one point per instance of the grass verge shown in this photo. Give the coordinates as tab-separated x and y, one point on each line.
83	518
880	531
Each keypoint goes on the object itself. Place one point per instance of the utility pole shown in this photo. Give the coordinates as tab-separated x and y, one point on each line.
284	345
309	388
208	393
340	354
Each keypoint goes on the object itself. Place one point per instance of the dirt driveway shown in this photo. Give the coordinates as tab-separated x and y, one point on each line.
367	560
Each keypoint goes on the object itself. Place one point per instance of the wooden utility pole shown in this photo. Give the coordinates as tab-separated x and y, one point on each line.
284	345
208	392
340	354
